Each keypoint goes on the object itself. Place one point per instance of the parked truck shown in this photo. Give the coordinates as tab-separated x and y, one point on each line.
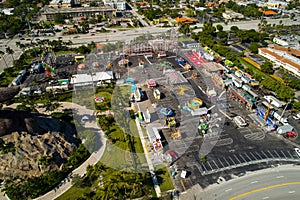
284	129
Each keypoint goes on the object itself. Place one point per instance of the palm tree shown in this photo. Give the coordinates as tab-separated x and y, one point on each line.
1	54
11	52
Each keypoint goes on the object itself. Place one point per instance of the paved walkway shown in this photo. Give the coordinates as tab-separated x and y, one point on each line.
93	159
150	164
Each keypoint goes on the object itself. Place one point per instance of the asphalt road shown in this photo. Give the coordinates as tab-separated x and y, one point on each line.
253	24
273	183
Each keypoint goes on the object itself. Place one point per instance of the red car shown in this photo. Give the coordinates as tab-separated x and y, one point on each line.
92	34
291	134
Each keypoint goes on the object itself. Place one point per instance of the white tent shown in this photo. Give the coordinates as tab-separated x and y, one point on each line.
86	79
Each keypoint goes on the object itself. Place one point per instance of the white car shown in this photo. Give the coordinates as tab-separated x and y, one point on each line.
296	117
297	151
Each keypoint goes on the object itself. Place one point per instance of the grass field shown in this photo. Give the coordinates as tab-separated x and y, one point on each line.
112	154
164	178
64	52
73	193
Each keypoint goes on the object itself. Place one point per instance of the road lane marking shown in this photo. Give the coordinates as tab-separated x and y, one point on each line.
264	188
279	176
228	190
265	197
291	192
254	182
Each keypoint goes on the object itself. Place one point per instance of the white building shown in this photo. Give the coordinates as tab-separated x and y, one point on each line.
288	62
117	4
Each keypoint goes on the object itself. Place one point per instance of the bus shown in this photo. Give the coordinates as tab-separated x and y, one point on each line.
79	58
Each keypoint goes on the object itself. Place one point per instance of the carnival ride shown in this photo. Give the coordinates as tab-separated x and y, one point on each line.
211	93
99	99
194	103
49	70
123	62
202	127
151	83
176	135
181	62
171	122
109	65
157	145
166	111
194	75
136	93
130	81
147	116
156	94
140	116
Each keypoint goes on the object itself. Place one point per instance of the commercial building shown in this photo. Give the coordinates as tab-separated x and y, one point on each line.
48	13
281	58
228	14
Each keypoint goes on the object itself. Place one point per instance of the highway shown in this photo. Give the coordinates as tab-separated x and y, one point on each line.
253	24
281	182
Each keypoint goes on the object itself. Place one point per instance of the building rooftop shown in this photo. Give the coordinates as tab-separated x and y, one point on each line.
80	9
280	58
290	51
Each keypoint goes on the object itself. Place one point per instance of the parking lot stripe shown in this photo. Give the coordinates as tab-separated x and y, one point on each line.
221	163
265	154
242	158
231	160
277	154
290	154
283	154
253	155
226	162
248	157
258	155
210	165
204	167
215	164
271	154
237	158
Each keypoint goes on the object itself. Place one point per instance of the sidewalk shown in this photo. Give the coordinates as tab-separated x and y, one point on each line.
149	162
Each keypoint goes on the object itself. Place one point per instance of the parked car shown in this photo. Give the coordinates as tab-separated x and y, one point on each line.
291	134
296	117
297	151
38	91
